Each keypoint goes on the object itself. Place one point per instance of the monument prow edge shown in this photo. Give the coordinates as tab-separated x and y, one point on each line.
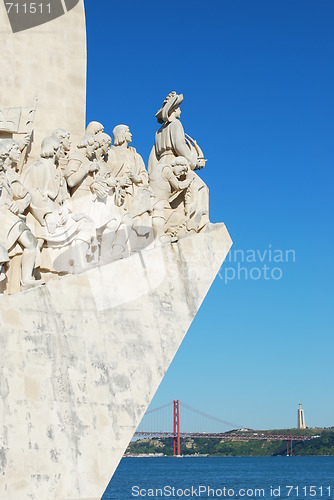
81	359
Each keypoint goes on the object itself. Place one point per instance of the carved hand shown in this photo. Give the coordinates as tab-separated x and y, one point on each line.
185	184
51	223
25	141
93	167
99	189
111	181
17	207
63	217
134	178
125	182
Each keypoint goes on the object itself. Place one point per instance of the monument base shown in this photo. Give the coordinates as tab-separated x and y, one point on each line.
82	357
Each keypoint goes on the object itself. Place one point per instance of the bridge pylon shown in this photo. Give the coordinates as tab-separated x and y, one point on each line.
176	429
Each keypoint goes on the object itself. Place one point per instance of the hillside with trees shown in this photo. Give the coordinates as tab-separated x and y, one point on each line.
321	442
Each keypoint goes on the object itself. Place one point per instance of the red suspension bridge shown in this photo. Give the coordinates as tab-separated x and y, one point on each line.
165	422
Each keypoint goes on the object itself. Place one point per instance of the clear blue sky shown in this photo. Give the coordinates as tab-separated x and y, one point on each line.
258	84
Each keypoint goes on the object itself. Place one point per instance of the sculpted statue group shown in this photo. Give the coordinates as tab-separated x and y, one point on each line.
77	207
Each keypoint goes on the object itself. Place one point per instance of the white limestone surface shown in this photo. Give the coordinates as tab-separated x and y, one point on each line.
82	357
47	62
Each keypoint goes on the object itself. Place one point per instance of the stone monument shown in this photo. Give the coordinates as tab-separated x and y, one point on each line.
103	266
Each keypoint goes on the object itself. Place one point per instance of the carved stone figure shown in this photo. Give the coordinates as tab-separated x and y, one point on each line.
115	236
132	178
98	202
166	180
80	170
92	187
104	181
64	137
170	139
67	237
15	236
171	142
130	169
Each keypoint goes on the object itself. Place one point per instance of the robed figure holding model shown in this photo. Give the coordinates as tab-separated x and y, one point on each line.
171	142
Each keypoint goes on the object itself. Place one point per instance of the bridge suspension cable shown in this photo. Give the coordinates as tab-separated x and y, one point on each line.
159	408
211	417
191	419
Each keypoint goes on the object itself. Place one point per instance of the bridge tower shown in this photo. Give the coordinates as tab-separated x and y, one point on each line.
176	429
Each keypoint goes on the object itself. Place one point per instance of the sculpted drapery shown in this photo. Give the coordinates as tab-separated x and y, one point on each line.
79	205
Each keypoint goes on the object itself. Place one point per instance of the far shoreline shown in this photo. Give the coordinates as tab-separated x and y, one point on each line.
240	443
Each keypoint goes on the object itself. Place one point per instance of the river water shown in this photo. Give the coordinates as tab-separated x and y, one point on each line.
223	477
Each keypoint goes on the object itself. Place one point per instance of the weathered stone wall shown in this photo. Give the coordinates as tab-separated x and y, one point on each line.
48	62
81	359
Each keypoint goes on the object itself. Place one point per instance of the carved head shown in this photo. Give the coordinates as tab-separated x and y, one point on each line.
51	148
170	109
180	166
9	150
89	145
64	137
94	128
121	134
104	143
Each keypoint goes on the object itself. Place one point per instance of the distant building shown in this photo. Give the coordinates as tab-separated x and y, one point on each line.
301	418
